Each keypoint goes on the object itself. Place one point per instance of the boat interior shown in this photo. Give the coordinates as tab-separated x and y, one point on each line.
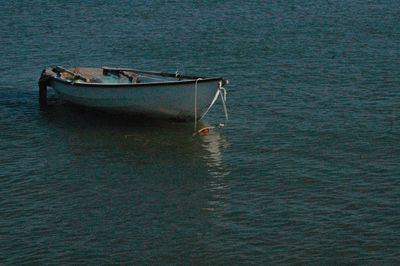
96	75
114	75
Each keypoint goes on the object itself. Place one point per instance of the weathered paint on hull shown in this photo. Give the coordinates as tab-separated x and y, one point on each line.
174	99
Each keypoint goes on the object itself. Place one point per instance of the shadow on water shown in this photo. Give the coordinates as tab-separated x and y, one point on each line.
133	137
71	168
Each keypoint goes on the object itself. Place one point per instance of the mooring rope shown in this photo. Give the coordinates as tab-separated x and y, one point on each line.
195	104
222	92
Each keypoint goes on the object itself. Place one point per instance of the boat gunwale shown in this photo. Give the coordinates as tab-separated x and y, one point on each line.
149	84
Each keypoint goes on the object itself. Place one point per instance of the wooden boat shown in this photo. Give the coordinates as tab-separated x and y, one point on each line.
139	92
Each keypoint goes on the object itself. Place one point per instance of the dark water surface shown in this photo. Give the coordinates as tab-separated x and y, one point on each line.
306	171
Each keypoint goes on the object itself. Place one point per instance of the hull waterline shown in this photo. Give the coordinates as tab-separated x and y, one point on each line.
183	98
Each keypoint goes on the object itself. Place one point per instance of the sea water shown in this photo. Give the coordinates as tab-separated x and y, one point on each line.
306	171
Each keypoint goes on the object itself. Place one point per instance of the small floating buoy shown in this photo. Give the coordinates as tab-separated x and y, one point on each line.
203	131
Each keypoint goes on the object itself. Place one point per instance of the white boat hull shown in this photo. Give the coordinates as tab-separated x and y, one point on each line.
176	99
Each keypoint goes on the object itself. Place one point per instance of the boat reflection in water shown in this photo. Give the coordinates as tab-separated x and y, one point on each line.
147	174
136	140
213	143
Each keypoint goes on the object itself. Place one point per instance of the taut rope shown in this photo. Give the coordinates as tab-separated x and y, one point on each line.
222	92
195	104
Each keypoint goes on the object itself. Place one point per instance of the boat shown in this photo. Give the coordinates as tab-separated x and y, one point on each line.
133	91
